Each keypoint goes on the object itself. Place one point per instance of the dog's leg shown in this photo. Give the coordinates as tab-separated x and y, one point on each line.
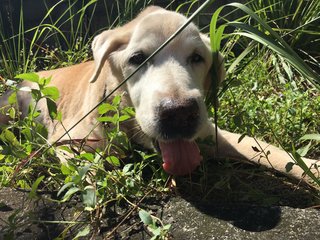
4	106
248	148
24	99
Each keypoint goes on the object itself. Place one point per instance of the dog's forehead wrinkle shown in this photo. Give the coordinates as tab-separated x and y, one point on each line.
146	45
168	24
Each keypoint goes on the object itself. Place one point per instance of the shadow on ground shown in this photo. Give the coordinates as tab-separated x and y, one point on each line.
232	200
229	201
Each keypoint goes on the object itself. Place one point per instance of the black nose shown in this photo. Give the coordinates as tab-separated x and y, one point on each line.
178	118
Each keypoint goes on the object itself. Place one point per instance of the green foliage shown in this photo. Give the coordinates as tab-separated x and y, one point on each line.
22	139
278	65
264	96
158	232
297	22
49	93
85	175
286	108
264	35
27	161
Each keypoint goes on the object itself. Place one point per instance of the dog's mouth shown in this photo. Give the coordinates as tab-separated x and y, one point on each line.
176	124
180	157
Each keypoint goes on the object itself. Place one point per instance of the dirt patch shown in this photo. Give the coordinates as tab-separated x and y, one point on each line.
231	202
22	217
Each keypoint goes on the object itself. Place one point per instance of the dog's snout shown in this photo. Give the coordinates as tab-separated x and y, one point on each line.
178	119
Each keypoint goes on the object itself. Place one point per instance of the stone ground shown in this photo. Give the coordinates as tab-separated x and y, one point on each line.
258	205
189	220
241	222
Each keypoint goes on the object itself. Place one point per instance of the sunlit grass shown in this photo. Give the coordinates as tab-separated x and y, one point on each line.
270	92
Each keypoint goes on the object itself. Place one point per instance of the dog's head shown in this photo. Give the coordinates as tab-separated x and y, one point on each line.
168	92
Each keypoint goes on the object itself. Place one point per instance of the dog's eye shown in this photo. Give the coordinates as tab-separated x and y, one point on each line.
137	58
196	58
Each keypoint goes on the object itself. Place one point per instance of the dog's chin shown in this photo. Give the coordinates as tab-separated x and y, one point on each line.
180	156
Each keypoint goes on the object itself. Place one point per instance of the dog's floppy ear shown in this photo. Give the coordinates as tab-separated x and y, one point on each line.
111	40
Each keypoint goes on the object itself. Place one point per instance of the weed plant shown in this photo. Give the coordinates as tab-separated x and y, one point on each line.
269	92
297	22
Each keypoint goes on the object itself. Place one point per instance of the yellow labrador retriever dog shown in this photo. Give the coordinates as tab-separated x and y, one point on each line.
167	94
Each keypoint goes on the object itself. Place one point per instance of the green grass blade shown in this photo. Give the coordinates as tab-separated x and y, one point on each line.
275	42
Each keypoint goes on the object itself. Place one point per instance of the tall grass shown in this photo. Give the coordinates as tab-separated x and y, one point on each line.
265	42
297	22
264	35
62	36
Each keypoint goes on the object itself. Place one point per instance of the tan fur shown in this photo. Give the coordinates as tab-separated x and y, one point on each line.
169	75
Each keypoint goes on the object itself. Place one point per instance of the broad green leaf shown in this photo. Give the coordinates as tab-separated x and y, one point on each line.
9	137
66	148
64	187
116	100
31	77
33	192
12	113
83	232
27	133
12	99
83	170
51	92
36	94
156	231
69	193
59	116
110	119
87	156
129	111
52	108
123	118
89	197
167	227
127	168
36	114
311	137
44	81
65	169
113	160
145	217
106	107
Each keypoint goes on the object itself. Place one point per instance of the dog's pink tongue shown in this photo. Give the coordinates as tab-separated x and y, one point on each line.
180	157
